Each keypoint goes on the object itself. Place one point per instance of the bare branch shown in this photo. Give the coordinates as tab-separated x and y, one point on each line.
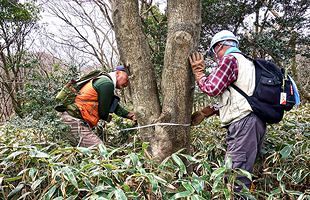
90	26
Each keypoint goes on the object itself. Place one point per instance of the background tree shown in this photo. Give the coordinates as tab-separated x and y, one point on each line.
273	29
86	27
17	21
177	82
155	28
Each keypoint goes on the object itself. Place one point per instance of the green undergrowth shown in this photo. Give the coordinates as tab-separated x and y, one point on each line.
34	166
282	169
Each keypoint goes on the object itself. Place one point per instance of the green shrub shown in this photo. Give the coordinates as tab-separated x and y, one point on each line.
32	168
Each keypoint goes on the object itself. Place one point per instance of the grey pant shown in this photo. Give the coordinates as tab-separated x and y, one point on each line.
80	133
244	142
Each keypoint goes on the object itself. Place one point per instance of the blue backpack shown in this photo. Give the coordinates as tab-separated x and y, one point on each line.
274	93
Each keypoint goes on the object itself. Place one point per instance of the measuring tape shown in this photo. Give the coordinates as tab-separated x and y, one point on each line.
150	125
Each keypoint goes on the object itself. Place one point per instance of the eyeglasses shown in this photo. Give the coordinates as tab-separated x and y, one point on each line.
212	51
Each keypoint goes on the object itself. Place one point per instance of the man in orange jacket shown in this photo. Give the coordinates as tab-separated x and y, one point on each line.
95	101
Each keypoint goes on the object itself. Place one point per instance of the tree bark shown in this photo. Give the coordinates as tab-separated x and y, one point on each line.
134	51
184	22
303	93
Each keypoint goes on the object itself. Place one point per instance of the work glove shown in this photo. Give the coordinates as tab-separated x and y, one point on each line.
132	116
198	65
198	116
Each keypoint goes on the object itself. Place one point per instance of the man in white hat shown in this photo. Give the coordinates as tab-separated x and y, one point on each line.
245	130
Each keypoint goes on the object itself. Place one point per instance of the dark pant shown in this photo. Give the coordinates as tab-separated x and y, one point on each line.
244	142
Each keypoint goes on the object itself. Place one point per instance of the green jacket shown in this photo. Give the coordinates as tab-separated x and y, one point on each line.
105	90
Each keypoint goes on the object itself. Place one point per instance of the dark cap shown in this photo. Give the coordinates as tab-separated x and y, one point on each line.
121	68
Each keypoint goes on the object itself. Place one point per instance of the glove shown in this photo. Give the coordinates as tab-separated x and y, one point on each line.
132	117
198	65
198	116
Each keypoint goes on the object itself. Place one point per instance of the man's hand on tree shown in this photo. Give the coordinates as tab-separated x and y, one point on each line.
198	116
132	116
198	65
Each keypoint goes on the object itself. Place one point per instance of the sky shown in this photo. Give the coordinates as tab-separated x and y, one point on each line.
54	26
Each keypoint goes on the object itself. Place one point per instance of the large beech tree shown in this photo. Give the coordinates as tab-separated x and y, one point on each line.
175	106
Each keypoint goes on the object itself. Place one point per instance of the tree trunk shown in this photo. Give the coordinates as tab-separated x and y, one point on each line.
184	22
134	51
303	93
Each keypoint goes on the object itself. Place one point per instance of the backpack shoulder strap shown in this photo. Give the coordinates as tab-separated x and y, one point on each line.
83	82
102	75
239	90
236	87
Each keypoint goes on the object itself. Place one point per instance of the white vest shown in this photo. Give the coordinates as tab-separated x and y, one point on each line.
233	106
